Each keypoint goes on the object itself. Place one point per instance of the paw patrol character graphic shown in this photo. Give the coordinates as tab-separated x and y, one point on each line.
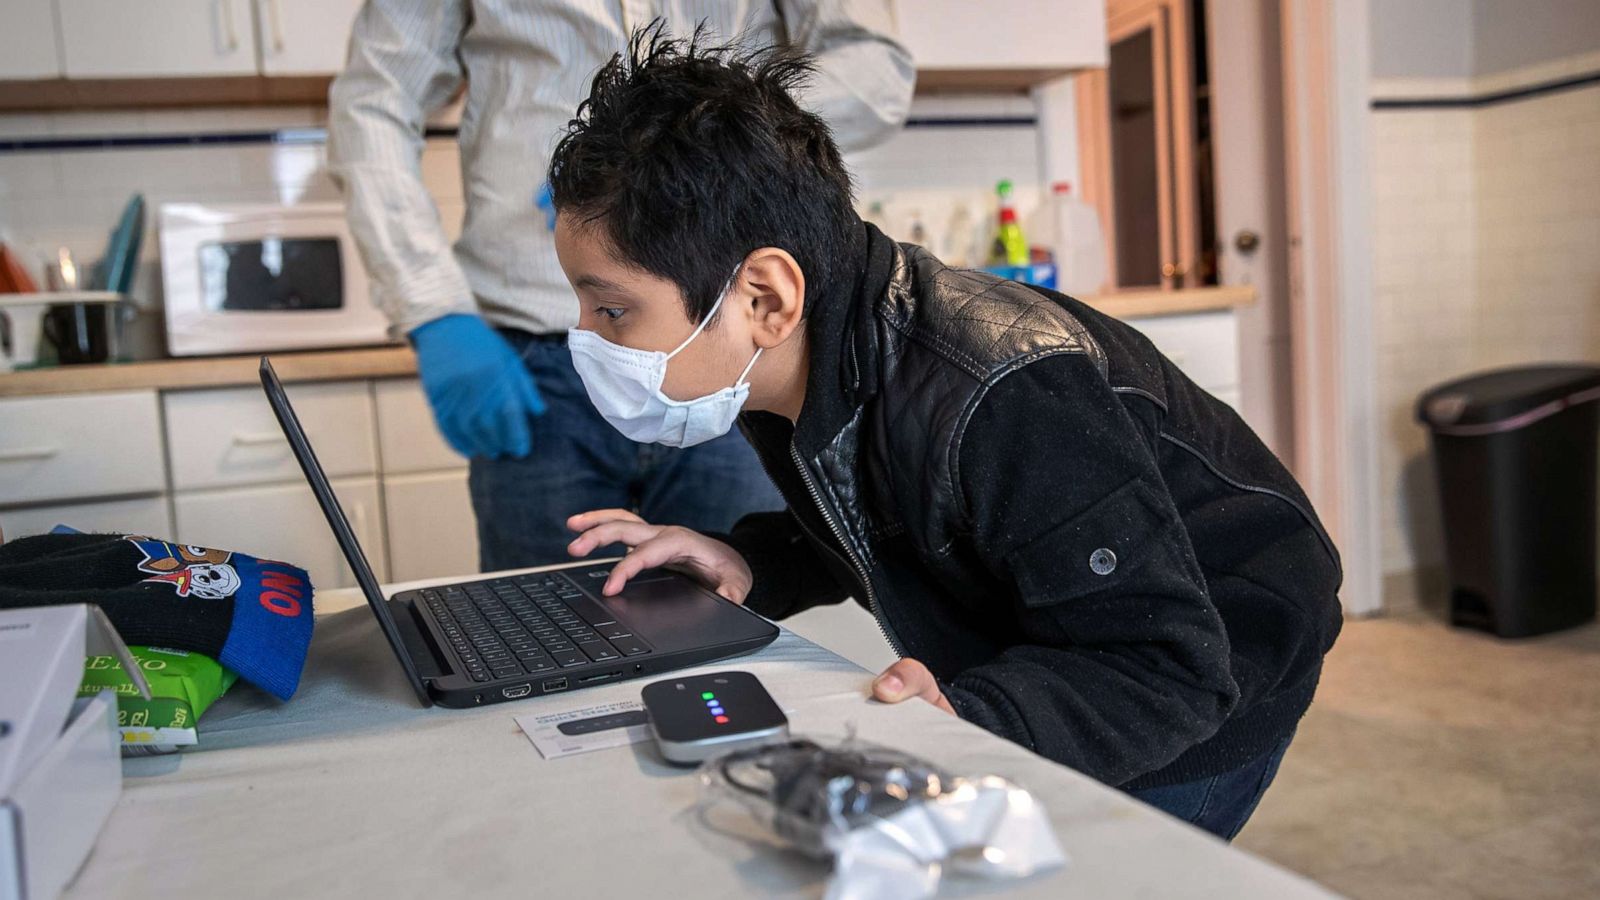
191	570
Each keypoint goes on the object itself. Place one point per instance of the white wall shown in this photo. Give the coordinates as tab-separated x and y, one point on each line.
1469	38
1486	229
1422	38
1516	33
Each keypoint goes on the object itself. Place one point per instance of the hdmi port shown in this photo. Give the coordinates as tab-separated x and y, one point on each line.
521	690
600	677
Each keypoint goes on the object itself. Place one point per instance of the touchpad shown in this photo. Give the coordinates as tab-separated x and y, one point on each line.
670	611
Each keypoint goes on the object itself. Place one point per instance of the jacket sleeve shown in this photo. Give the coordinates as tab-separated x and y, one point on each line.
402	65
790	575
1122	662
864	79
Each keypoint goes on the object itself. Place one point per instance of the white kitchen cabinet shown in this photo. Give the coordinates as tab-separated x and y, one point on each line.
28	46
283	521
90	445
408	437
304	37
432	532
1204	345
156	38
1047	35
141	515
230	437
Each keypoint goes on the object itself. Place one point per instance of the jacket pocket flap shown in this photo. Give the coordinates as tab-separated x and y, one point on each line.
1101	549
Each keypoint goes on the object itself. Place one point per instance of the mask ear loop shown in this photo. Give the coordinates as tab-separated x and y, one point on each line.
727	286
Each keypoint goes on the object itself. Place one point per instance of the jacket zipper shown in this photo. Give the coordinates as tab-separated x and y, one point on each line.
839	535
856	566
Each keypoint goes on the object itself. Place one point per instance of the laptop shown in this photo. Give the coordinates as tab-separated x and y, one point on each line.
496	639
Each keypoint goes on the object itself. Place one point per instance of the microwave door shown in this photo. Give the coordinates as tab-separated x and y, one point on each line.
283	275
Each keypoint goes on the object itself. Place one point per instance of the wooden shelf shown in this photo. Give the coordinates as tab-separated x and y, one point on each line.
76	94
985	81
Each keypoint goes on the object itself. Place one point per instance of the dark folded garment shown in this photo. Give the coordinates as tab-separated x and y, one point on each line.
252	615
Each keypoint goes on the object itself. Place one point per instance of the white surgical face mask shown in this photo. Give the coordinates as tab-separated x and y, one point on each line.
625	386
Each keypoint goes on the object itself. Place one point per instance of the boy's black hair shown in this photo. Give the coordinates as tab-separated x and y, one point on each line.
688	157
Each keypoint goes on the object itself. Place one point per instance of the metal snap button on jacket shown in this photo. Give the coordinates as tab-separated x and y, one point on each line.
1103	561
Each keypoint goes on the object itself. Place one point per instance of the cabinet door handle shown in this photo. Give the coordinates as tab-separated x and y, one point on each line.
230	34
23	454
256	438
277	25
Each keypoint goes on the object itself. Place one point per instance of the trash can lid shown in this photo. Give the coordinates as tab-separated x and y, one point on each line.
1504	399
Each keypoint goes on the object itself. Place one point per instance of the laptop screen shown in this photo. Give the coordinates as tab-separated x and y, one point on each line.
342	531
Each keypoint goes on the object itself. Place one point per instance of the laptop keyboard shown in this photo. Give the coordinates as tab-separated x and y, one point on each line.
527	624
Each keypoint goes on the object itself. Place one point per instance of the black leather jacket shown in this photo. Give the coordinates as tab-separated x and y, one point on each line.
1097	559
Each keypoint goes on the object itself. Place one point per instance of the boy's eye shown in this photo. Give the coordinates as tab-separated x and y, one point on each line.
611	312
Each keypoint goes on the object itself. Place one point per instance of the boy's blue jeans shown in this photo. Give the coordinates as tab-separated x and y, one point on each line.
1223	803
580	463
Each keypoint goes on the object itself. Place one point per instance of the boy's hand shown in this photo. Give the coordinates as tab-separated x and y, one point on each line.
907	679
710	562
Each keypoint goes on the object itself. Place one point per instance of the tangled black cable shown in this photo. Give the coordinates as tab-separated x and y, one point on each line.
813	787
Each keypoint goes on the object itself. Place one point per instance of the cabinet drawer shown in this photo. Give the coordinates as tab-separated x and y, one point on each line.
228	437
283	521
93	445
141	515
407	434
431	529
1204	345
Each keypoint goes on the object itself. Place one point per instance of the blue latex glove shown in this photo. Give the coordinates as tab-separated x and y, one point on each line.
481	393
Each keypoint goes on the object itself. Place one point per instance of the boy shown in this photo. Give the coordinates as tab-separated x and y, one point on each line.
1068	542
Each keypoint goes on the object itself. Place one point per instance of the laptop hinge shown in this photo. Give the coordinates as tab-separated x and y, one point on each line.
430	664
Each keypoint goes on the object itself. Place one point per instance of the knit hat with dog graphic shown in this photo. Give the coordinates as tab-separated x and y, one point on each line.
252	615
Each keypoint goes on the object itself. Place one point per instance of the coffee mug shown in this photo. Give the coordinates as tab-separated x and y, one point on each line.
81	332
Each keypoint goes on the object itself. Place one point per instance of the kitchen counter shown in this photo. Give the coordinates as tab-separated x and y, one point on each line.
213	371
1131	304
383	362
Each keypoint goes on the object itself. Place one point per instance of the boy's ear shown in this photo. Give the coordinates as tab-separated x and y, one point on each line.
775	287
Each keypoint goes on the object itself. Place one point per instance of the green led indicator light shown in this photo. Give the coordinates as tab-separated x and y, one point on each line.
708	696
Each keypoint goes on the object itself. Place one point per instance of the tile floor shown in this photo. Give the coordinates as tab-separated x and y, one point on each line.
1440	763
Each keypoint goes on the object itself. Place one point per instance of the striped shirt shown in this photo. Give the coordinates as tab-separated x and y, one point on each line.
527	64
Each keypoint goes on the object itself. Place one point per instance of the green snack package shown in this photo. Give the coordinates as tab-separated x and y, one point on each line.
182	685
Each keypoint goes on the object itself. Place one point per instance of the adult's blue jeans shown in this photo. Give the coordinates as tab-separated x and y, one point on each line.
580	463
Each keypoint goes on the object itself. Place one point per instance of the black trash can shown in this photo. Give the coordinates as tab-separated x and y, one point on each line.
1516	456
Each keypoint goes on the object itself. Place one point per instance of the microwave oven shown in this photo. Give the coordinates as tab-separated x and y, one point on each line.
249	278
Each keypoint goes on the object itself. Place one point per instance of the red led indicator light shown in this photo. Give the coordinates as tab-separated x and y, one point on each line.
722	720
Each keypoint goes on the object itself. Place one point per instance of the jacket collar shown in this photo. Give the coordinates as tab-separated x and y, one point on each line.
843	342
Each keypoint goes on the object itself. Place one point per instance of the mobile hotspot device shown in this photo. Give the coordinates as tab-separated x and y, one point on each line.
699	716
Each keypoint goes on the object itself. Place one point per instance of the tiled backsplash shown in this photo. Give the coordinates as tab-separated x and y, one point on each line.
71	197
1487	235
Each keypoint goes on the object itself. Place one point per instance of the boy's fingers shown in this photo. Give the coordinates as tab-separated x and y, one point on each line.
909	679
631	533
902	681
647	555
586	520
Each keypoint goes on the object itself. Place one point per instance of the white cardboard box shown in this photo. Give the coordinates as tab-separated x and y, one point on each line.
60	759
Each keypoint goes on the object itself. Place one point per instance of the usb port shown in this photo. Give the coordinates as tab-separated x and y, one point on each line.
521	690
555	684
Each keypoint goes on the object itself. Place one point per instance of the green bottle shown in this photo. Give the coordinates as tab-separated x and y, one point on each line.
1010	247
